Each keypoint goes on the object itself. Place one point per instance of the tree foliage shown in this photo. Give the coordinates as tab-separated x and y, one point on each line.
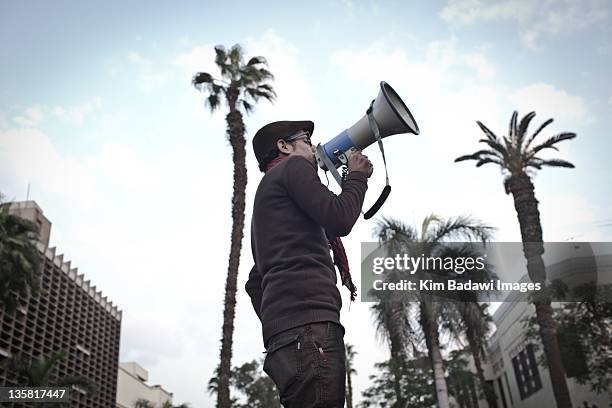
256	389
516	153
584	332
406	318
20	260
40	372
416	382
241	85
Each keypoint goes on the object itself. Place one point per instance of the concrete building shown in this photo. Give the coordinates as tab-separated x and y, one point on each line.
519	381
69	315
131	386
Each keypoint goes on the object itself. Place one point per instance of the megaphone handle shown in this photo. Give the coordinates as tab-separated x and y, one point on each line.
374	128
387	190
381	200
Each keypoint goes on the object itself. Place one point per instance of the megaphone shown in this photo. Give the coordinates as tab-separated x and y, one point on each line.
386	116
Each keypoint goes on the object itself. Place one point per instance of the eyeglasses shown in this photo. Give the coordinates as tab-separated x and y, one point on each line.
303	135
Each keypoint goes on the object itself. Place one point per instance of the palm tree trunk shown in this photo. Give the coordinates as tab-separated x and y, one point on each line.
430	329
237	141
396	369
486	387
526	206
349	393
475	348
398	361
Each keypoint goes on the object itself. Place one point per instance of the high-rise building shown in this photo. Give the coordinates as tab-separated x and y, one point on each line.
69	315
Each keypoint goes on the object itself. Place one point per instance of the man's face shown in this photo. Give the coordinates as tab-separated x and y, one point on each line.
299	146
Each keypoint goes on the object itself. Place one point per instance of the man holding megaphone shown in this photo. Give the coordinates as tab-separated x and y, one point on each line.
296	220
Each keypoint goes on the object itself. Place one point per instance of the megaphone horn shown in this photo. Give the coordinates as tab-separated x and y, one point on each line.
386	116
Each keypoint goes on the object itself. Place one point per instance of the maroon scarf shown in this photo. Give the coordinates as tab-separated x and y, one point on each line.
340	258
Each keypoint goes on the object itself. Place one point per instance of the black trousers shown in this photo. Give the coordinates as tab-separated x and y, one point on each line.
308	365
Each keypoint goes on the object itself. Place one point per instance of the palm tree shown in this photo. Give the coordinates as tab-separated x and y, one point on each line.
20	260
475	319
350	370
393	325
38	373
241	85
516	155
401	238
168	404
143	403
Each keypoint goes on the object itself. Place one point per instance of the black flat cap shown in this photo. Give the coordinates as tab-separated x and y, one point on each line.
266	137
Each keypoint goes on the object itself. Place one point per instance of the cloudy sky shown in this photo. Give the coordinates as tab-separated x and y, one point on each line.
98	116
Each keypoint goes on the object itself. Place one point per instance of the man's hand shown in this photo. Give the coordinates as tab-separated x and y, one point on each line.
357	161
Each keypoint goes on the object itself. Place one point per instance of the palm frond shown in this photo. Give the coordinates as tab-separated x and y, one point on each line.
473	156
512	126
534	162
251	76
427	221
389	229
495	145
522	129
203	81
507	143
487	132
557	163
542	126
235	55
201	78
461	227
549	144
257	60
489	160
213	101
247	106
221	59
479	155
259	92
266	88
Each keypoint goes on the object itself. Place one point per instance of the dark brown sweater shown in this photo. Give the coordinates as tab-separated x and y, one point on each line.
293	281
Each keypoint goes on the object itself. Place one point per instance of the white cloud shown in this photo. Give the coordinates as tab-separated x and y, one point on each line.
77	115
610	100
125	168
435	88
448	54
549	101
31	117
199	59
149	77
27	156
534	18
581	226
185	41
294	97
471	11
147	339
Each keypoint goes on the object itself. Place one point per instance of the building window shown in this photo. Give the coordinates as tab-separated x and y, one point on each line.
526	372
